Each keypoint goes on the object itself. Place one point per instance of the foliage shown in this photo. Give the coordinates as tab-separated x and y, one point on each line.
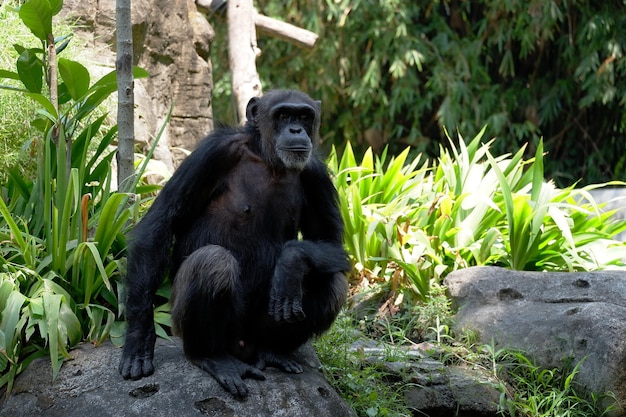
62	234
528	390
363	385
411	223
402	72
15	130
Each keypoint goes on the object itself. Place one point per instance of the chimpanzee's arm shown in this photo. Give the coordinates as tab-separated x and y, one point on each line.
320	255
181	200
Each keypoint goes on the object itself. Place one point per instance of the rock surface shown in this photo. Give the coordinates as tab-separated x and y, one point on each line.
171	40
90	385
431	388
552	316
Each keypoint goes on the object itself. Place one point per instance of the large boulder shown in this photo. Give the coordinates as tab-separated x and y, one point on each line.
171	40
579	316
90	385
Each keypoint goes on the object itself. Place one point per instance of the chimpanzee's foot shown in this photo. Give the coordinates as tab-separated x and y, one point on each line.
284	363
229	372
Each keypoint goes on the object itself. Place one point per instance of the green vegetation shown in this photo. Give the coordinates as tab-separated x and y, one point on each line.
535	392
401	72
62	234
15	130
410	222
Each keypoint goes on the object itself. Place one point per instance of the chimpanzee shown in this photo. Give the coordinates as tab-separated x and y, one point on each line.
250	231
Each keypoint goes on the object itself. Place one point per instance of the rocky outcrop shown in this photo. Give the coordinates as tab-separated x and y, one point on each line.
431	388
90	385
171	40
578	316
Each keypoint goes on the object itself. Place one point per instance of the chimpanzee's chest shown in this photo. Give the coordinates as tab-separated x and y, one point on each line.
255	204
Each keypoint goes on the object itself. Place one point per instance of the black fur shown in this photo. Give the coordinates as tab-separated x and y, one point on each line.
247	292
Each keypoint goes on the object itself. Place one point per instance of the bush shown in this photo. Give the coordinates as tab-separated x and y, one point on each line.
62	233
409	224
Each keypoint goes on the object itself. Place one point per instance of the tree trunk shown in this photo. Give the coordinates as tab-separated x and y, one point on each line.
242	52
125	96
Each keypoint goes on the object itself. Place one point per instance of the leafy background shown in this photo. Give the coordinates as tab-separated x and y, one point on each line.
402	72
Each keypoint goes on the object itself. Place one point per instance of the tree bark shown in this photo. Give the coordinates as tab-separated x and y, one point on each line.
286	31
242	52
125	105
273	27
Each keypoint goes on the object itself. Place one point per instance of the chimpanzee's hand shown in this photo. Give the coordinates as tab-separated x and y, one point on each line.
286	290
286	300
136	360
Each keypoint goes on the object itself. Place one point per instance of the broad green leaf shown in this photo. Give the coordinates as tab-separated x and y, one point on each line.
30	71
10	318
52	304
70	323
75	76
6	287
37	16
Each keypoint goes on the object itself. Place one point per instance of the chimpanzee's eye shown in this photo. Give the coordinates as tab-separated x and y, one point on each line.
283	116
305	116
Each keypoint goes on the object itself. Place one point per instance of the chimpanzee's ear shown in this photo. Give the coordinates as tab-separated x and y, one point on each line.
252	110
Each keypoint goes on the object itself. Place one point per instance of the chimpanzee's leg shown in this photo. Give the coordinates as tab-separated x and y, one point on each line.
206	313
308	289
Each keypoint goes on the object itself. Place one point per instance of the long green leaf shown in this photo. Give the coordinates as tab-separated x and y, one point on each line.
15	230
508	199
52	304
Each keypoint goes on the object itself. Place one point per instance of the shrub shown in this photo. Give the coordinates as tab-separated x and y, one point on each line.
61	234
410	222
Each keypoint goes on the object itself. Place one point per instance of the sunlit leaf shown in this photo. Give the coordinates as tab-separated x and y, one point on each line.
75	76
37	16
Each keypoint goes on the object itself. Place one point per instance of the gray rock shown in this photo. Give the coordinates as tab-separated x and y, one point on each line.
552	316
172	41
442	391
90	385
434	389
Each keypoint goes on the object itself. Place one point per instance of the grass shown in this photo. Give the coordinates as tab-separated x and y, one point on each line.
364	385
15	129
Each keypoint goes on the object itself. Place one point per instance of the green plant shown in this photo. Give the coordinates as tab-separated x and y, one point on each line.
410	223
15	130
529	390
365	386
62	234
374	196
